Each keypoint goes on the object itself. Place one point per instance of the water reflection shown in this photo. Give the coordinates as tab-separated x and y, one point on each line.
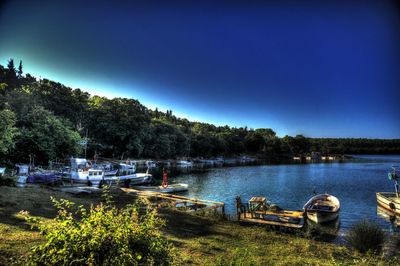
325	232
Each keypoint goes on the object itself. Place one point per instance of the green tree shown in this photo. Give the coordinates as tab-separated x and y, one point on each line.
165	140
8	131
46	137
11	74
118	125
20	70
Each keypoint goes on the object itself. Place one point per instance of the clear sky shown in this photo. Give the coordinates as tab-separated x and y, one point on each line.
318	68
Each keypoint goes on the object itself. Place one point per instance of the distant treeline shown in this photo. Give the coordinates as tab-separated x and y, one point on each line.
46	120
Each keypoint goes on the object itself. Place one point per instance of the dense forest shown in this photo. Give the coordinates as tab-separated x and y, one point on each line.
46	120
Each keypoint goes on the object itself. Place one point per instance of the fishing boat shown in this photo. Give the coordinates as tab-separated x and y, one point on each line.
390	200
322	208
150	164
184	164
81	172
127	174
22	171
44	178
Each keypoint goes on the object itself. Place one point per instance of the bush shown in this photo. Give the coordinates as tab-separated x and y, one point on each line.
104	235
365	236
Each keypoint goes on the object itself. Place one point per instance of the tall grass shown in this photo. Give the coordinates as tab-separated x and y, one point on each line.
366	236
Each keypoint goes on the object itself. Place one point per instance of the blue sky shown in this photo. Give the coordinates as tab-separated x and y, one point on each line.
318	68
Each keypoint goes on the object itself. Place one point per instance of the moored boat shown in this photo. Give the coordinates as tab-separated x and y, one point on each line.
184	164
127	174
322	208
390	200
81	172
44	178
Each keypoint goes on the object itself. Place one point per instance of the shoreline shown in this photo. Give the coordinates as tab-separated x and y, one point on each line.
200	239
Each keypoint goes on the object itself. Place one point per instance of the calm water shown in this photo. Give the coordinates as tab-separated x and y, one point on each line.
290	186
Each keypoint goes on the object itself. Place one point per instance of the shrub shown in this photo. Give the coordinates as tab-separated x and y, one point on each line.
365	236
103	235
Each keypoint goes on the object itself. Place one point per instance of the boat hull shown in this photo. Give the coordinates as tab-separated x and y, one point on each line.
322	217
322	208
95	182
389	201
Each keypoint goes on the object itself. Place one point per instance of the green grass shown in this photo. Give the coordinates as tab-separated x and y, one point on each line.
198	240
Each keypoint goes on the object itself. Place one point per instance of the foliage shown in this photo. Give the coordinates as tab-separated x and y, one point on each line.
118	125
8	131
365	236
45	136
123	127
102	235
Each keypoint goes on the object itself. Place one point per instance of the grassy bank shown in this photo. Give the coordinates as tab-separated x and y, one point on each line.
198	240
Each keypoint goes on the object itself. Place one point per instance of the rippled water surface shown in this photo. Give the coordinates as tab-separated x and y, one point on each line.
290	186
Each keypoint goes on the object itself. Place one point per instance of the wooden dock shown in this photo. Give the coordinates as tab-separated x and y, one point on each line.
246	218
178	201
291	219
258	211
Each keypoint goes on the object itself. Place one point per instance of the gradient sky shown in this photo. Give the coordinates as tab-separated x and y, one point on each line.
318	68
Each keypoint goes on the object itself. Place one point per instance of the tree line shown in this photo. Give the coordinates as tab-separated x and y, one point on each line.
46	120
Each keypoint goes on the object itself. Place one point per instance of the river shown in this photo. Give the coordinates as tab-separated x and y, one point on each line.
354	182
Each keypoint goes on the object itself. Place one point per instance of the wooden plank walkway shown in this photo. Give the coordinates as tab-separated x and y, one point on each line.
247	217
178	200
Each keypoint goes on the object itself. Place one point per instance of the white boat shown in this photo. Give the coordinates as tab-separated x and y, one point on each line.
127	174
81	172
322	208
22	171
391	200
2	171
151	164
108	169
169	189
184	164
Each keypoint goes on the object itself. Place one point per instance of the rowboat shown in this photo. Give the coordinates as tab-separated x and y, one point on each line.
322	208
390	200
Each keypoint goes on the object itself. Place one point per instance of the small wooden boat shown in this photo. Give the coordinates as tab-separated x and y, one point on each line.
322	208
168	189
390	200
